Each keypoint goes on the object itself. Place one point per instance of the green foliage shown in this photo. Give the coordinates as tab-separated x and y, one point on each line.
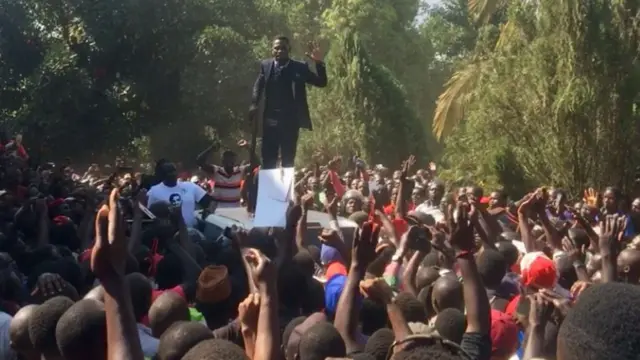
116	76
556	103
368	111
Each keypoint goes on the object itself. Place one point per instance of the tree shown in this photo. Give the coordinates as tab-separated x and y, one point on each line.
362	102
558	97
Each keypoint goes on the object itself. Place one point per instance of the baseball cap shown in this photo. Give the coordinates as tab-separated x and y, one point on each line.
538	270
504	334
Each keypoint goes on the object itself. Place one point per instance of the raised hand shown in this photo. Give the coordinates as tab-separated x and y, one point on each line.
330	237
307	201
377	290
406	167
331	206
574	252
314	52
612	229
109	253
262	268
540	310
461	237
418	238
364	245
248	311
591	197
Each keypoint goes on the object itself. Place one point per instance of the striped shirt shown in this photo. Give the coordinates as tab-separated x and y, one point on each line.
228	186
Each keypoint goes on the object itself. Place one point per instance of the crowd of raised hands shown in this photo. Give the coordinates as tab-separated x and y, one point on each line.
427	274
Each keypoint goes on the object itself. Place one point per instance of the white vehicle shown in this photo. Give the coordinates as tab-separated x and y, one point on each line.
225	218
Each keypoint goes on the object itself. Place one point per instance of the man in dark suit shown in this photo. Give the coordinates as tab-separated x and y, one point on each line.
279	100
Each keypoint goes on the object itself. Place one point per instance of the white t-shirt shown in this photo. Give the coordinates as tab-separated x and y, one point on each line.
185	195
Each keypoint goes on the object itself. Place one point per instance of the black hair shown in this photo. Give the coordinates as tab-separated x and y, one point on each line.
167	309
411	307
140	290
321	341
216	349
492	268
451	324
379	342
228	153
42	324
314	299
64	234
361	356
579	236
603	324
509	251
169	271
314	251
373	316
304	262
288	330
291	285
433	352
82	330
567	274
282	38
180	337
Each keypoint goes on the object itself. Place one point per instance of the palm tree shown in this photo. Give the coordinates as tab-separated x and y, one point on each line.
458	90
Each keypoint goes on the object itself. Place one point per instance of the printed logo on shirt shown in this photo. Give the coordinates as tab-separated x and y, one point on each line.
175	200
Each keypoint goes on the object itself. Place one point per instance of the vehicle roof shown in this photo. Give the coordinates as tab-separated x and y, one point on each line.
238	216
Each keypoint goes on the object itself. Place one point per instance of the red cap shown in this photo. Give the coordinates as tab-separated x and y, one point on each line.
538	270
504	334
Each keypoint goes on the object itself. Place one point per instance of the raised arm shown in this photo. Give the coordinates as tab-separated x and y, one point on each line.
258	87
318	79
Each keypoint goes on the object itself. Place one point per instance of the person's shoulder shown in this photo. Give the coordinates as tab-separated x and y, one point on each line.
155	188
266	62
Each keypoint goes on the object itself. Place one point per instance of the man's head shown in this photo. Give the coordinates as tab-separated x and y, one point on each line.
447	293
140	291
629	266
320	341
379	342
497	199
215	349
42	325
281	48
436	191
81	332
19	332
166	310
492	268
168	173
603	324
229	160
178	339
610	199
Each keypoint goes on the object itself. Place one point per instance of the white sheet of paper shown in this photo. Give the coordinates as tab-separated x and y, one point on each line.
275	188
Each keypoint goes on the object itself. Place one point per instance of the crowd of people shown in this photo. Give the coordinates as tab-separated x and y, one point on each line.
113	264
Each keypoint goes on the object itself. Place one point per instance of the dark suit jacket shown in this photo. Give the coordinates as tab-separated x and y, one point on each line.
302	75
